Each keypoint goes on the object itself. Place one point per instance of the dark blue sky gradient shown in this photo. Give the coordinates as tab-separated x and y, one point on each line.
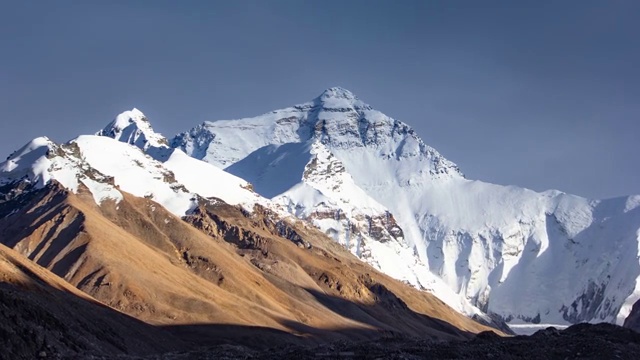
542	94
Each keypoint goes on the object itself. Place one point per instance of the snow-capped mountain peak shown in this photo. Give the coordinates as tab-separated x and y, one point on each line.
15	157
201	178
41	160
340	99
495	246
338	92
28	162
133	127
337	118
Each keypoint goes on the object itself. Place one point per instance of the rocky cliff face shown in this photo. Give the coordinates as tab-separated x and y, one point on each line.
633	320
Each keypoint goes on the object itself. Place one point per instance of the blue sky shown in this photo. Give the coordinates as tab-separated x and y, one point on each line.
541	94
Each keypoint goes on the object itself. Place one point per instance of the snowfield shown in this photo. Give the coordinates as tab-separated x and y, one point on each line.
105	166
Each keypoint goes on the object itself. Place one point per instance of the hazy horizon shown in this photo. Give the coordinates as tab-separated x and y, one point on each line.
541	95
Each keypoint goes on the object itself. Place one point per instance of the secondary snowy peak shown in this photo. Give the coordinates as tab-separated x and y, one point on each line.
41	161
104	166
133	127
28	163
199	177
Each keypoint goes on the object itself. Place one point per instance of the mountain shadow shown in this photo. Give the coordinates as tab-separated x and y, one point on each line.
42	316
269	181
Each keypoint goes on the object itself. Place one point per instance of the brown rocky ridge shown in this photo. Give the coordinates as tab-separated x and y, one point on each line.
220	275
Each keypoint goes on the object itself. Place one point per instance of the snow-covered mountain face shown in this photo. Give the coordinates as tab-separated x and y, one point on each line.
295	157
134	128
337	119
372	184
105	166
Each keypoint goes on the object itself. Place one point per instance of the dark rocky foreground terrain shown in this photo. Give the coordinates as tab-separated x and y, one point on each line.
583	341
30	329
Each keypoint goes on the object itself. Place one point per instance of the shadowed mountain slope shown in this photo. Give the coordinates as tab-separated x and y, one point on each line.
41	315
231	269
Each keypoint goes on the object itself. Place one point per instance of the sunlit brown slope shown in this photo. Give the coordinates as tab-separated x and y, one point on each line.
220	269
42	315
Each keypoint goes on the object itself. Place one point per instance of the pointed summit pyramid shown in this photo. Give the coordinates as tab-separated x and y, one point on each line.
133	127
340	99
337	118
338	92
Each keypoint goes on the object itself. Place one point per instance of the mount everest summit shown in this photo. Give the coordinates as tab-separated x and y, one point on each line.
372	185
